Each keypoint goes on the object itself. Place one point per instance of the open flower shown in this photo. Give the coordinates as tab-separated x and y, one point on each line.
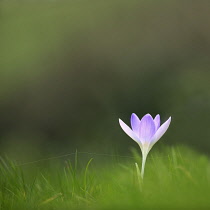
146	132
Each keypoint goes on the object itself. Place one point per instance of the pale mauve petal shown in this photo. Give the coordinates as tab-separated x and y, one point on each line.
147	128
129	132
135	123
157	121
160	132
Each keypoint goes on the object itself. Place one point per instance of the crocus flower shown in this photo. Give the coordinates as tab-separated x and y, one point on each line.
146	132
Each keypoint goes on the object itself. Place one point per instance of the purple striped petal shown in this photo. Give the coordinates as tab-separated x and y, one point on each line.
157	121
147	128
160	132
135	123
128	131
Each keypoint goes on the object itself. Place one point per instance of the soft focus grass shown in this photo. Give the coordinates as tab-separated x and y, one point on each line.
175	177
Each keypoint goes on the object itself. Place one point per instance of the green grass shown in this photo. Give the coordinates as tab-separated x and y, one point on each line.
175	178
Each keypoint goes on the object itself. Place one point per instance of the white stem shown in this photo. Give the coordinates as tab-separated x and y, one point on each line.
144	157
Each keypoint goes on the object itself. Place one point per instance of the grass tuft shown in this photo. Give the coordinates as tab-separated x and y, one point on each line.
175	177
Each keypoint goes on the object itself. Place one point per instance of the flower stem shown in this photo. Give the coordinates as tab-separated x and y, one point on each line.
144	157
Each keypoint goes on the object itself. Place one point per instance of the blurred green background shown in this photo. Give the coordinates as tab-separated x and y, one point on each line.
70	69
